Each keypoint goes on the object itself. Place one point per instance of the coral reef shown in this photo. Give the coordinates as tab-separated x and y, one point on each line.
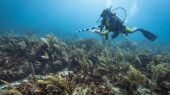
11	92
24	55
32	65
136	76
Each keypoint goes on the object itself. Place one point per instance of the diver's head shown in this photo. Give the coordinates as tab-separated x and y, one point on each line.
107	13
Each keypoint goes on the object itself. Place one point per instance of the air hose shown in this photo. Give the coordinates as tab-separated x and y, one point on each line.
99	19
123	10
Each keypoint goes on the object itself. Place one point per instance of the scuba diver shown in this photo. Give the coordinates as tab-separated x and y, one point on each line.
110	22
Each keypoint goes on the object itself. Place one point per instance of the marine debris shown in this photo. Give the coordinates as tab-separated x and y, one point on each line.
33	65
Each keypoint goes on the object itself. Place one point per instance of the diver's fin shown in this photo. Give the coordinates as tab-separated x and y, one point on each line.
148	35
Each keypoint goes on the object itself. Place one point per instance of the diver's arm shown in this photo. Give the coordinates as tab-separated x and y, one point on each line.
102	25
105	32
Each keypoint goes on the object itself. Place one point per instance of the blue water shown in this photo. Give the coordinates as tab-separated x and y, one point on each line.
65	17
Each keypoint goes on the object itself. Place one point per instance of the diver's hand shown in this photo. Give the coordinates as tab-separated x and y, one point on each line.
104	33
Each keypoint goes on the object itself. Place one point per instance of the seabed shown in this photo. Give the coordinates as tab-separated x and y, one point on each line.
33	65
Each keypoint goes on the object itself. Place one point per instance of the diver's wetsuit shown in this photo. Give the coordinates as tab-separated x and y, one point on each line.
113	24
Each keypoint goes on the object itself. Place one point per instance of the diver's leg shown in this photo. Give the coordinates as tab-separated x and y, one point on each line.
115	34
123	32
106	36
149	35
130	30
